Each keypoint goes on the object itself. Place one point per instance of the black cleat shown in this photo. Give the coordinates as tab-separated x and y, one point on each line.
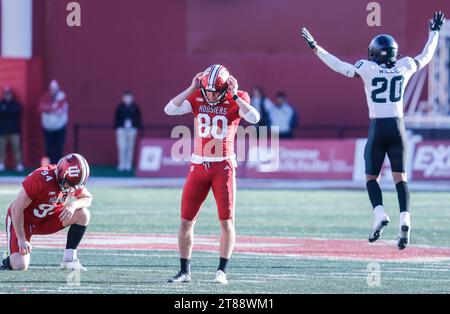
6	265
180	278
403	238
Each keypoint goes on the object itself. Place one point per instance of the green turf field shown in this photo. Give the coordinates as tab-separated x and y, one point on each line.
264	213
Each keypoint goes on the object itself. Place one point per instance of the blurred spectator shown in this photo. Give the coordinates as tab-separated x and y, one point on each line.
127	122
262	104
54	116
283	115
10	113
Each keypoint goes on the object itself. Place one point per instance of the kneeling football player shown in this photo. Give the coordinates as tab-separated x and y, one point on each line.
218	106
52	198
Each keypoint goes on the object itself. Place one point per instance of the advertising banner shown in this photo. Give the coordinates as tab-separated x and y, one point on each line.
432	161
155	159
302	159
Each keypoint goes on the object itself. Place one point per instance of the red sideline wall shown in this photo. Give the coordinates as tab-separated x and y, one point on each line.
155	47
25	78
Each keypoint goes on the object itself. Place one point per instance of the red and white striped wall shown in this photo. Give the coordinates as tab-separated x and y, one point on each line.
22	71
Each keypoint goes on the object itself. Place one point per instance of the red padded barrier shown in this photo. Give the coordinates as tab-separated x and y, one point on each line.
25	78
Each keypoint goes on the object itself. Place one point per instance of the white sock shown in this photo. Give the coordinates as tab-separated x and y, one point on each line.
405	218
378	211
69	255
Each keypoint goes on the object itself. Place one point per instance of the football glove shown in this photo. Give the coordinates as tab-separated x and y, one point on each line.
309	39
437	21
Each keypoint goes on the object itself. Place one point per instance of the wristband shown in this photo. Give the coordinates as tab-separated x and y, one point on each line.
235	97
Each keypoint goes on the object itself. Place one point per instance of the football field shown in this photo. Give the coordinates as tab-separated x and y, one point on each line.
288	242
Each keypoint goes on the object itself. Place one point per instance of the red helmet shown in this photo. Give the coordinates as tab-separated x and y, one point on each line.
215	79
72	169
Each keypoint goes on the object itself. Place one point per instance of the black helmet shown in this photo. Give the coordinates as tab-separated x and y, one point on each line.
383	49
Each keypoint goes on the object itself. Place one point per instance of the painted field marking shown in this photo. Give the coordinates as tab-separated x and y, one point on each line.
8	192
342	249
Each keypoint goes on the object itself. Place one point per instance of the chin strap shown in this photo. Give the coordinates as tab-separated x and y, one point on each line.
219	100
66	191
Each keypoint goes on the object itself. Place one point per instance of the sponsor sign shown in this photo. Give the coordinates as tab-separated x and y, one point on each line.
303	159
155	160
432	161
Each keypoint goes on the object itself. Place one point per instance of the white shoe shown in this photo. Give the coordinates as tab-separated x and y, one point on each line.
2	167
221	277
404	230
20	168
381	221
73	265
180	278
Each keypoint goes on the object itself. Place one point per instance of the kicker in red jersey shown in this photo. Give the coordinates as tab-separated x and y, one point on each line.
52	197
215	125
45	192
218	106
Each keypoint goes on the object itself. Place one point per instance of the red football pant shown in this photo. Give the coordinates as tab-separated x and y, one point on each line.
49	226
221	177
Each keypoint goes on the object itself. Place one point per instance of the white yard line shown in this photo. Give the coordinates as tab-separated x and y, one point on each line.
277	184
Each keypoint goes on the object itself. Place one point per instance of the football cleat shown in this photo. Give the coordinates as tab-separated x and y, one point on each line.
221	277
404	232
73	265
403	237
6	265
380	222
180	278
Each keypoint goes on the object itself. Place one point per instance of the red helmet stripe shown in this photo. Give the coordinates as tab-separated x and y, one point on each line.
215	69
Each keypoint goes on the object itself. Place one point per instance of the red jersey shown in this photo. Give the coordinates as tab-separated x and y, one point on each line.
49	104
46	195
215	126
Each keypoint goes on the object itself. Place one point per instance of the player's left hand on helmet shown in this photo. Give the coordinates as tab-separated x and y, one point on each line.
438	21
67	212
233	85
196	81
309	38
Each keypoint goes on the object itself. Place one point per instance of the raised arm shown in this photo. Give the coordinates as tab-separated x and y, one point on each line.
427	54
246	111
179	105
331	61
